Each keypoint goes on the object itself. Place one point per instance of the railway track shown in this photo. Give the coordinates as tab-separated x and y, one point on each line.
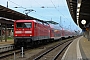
53	53
29	53
9	53
7	50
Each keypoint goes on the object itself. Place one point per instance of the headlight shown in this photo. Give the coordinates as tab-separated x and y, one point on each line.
15	35
30	35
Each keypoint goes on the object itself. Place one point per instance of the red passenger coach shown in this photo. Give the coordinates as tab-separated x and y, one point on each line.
28	32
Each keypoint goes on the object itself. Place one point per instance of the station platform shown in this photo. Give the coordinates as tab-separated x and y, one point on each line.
79	49
6	43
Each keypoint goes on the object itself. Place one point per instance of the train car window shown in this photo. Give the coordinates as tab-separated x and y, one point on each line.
35	25
27	25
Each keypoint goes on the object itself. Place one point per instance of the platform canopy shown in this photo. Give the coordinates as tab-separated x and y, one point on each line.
80	10
11	14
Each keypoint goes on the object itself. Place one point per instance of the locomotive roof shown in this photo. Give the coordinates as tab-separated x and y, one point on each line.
38	21
23	20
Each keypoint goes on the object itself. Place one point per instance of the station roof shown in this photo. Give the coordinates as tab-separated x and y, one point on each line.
11	14
80	13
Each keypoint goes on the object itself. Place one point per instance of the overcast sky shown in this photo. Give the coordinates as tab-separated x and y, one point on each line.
55	10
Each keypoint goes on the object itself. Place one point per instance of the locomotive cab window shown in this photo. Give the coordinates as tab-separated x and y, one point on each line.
27	25
19	25
24	25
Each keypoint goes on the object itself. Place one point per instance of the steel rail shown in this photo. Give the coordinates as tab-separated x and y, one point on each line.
49	50
60	51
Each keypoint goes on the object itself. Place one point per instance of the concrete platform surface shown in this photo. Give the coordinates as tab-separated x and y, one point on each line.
79	49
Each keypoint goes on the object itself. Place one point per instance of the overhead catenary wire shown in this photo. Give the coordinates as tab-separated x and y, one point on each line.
16	4
53	7
57	9
43	7
37	2
26	8
42	16
39	5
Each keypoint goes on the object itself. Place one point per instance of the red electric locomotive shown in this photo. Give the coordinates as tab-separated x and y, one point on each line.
28	32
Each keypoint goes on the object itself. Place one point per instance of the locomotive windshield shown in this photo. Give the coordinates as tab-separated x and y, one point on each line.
23	25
